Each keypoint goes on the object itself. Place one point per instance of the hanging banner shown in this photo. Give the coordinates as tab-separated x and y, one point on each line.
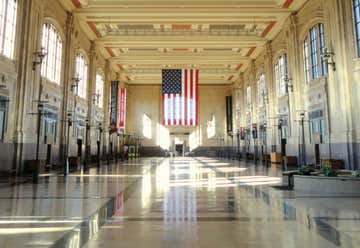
114	92
229	114
122	107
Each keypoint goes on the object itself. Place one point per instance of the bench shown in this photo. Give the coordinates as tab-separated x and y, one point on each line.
275	158
291	160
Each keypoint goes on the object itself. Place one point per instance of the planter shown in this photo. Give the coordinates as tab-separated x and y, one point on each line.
335	185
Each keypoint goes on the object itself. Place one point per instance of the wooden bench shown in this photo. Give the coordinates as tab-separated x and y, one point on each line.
335	164
275	158
291	161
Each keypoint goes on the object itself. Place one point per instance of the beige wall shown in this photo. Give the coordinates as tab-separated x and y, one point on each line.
22	84
146	100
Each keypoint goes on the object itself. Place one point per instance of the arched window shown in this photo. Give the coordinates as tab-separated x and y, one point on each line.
261	89
238	106
356	6
280	75
248	98
314	46
100	89
8	12
51	42
82	74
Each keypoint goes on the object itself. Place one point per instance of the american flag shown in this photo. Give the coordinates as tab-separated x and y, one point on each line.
180	95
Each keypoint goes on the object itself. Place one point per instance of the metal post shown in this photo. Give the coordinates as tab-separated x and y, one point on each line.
36	171
87	128
281	144
265	145
99	146
39	57
66	164
302	115
117	147
108	156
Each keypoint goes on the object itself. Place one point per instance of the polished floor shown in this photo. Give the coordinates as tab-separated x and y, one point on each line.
181	202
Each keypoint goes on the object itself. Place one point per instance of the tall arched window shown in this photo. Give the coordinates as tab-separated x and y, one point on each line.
82	74
314	46
100	89
238	106
248	98
356	5
261	89
51	42
8	13
280	75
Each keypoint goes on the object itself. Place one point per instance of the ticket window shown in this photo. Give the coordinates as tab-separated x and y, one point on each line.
2	123
49	129
317	131
3	117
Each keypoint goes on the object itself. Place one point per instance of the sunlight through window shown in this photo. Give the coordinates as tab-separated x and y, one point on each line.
147	130
52	43
163	137
211	131
8	13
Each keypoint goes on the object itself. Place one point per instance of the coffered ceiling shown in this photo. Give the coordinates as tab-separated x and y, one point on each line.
220	37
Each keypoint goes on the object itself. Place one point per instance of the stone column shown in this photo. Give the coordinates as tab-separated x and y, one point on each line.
91	104
254	105
106	107
68	75
295	69
342	133
29	37
271	91
242	124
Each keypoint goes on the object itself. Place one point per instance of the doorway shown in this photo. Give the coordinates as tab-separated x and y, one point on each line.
179	149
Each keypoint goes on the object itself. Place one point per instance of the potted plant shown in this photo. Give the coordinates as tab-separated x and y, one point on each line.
356	173
306	170
328	171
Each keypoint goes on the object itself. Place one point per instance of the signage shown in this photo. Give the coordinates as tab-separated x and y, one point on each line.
229	114
113	101
122	107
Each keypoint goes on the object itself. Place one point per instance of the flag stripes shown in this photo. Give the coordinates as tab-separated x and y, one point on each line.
180	104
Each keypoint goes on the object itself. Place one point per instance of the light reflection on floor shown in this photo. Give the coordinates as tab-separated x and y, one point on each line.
205	202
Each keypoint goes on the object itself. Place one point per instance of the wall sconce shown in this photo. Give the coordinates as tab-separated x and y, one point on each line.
75	85
96	98
288	84
39	57
328	57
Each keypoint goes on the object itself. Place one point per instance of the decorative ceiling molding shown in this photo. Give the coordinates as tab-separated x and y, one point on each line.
222	36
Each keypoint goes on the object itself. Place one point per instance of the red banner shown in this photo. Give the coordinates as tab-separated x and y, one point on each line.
122	107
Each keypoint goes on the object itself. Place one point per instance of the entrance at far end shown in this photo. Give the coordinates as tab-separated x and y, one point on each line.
179	145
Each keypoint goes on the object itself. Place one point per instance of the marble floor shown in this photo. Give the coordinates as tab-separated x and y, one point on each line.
181	202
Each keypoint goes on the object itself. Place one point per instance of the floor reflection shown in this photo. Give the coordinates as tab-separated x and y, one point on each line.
205	202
